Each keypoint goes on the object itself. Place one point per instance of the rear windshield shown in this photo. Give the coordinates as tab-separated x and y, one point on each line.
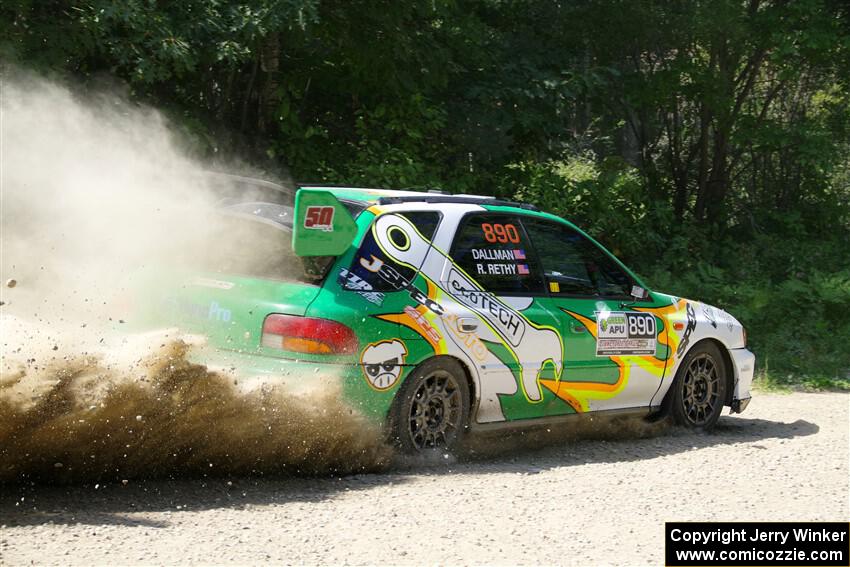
254	240
245	246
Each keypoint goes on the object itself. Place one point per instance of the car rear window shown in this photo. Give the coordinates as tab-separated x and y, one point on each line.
244	244
494	250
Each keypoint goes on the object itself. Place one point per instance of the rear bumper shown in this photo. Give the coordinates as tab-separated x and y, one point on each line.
743	366
251	371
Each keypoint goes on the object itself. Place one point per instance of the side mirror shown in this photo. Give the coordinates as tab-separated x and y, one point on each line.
639	293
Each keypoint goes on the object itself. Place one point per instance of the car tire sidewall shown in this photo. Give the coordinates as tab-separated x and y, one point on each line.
400	410
676	398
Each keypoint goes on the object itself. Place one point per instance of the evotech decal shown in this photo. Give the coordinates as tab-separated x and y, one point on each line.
382	363
507	322
533	347
319	218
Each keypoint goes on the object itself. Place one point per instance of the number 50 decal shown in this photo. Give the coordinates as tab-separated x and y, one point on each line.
319	218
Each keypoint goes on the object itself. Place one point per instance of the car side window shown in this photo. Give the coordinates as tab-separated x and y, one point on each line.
493	249
573	264
372	270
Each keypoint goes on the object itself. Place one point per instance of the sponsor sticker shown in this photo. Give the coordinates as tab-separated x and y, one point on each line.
501	233
625	333
354	282
497	269
492	254
423	323
382	363
319	218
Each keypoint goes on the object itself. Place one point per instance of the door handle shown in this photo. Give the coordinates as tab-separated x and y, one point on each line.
577	328
467	324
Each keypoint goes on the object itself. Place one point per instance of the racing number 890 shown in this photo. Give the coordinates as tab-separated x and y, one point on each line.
502	233
641	326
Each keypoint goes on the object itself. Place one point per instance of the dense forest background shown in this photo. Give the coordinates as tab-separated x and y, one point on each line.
705	142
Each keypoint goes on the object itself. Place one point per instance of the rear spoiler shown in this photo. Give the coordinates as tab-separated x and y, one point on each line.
322	225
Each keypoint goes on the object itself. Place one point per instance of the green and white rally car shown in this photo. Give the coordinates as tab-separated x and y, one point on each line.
446	313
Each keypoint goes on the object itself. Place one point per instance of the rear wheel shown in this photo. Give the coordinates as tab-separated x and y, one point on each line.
700	388
431	410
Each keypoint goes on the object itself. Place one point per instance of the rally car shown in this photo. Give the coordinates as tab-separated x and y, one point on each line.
443	314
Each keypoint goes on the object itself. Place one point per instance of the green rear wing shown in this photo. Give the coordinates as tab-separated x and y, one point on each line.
322	226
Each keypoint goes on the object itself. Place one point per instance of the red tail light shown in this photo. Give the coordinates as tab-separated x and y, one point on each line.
308	335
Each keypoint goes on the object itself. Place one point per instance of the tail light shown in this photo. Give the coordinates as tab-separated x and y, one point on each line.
744	334
308	335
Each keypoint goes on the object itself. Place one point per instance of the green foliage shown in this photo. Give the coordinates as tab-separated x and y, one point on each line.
707	143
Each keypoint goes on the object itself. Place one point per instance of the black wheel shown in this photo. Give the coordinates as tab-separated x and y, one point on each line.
699	391
431	409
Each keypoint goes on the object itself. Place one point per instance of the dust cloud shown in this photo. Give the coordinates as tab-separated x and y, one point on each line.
95	190
139	409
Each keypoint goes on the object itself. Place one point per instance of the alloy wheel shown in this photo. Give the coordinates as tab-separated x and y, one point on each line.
435	412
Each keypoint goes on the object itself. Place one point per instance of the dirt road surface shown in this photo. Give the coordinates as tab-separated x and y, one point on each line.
581	502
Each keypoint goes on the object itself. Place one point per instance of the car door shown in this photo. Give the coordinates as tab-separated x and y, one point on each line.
495	289
612	358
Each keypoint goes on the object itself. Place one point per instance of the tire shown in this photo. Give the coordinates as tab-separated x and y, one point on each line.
431	409
699	391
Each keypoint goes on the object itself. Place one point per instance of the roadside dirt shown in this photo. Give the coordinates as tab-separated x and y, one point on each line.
596	499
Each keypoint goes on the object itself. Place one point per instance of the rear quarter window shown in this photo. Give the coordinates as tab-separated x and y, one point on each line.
372	270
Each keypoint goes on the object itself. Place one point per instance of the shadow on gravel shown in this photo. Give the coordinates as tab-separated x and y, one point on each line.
527	452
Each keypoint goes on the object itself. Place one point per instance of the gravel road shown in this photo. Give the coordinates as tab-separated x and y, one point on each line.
587	501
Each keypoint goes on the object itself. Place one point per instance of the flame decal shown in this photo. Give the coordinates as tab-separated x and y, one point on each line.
579	394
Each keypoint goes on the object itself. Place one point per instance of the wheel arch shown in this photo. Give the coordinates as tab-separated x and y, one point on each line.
468	376
730	370
392	421
727	364
470	381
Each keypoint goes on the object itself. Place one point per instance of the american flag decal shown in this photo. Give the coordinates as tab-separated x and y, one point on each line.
522	269
519	254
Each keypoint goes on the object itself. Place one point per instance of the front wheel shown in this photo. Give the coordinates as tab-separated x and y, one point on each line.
700	388
431	409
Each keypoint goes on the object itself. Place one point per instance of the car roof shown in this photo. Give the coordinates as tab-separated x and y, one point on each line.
375	196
